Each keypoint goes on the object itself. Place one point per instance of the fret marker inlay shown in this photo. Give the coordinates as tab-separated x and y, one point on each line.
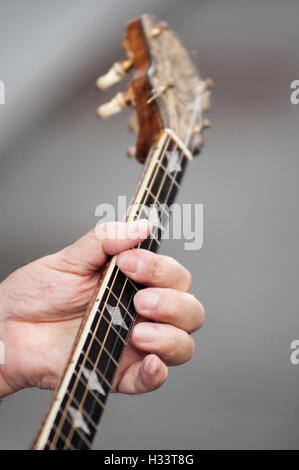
93	381
174	165
78	420
116	316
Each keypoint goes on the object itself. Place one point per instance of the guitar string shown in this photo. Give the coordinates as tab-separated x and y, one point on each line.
156	198
64	412
128	307
55	437
108	362
155	201
111	322
104	373
133	294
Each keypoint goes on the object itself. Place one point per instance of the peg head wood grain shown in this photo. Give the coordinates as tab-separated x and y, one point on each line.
166	87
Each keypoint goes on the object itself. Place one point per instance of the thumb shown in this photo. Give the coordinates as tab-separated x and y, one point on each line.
90	252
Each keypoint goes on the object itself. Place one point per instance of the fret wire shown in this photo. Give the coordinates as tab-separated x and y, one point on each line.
101	316
107	333
170	176
106	350
110	326
109	384
66	438
84	382
111	292
87	416
163	180
159	160
79	432
159	165
176	171
164	177
113	329
131	282
80	370
84	412
156	240
67	419
63	437
118	301
159	204
129	329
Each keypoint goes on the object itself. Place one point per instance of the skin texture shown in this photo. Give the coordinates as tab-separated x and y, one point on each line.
42	304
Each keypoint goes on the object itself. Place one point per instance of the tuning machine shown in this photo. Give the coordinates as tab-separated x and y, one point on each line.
115	74
131	152
134	123
119	102
197	141
157	30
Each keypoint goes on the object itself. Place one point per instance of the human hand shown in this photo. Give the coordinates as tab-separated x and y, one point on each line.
43	303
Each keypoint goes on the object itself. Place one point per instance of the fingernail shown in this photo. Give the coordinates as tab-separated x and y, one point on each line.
129	262
152	366
145	333
146	301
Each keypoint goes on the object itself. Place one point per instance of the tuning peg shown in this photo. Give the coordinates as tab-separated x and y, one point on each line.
119	102
115	74
209	83
131	152
205	101
197	144
134	123
163	26
199	128
197	141
206	124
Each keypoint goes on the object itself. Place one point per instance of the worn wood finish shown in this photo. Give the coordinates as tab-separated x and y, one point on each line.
149	116
170	99
166	86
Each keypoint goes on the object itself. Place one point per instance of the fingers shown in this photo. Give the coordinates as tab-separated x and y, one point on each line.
173	345
171	306
90	251
143	376
151	269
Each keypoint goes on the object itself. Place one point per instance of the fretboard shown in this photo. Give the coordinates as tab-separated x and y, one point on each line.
75	412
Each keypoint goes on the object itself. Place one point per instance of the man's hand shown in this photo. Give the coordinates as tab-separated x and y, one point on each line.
42	305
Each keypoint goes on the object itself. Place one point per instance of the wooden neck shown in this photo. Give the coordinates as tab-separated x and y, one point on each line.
77	406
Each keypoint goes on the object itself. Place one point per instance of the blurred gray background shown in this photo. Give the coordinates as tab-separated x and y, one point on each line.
58	162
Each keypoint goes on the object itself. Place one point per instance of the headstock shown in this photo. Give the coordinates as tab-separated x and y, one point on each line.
166	88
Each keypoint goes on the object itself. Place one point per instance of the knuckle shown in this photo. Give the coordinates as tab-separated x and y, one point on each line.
168	316
153	271
175	306
100	231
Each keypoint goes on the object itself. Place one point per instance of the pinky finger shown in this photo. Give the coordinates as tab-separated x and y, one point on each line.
143	376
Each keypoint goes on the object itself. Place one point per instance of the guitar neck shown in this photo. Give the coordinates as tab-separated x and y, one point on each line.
78	404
